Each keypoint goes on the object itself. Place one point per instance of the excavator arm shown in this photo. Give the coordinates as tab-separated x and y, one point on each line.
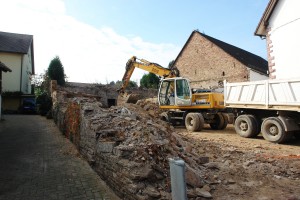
154	68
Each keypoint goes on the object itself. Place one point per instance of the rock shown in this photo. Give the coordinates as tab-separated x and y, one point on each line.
152	192
203	160
248	163
191	193
192	177
142	173
277	177
207	188
105	147
125	111
230	181
212	165
203	193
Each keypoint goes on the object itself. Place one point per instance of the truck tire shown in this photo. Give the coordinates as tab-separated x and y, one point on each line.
245	126
220	122
201	120
192	122
257	127
273	130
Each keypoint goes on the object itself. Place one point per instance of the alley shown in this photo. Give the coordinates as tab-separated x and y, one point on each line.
37	162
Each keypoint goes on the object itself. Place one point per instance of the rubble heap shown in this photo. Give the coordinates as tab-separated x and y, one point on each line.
128	146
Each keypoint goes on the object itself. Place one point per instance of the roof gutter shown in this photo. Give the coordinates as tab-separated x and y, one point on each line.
264	21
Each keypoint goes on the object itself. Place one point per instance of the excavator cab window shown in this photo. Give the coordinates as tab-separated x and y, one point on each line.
182	89
167	93
175	92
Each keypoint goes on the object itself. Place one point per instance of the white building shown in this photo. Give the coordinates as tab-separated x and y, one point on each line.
16	51
280	25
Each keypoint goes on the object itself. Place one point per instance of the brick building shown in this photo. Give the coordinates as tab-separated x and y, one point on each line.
207	62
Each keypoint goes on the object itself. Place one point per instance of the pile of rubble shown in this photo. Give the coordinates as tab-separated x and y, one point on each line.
130	146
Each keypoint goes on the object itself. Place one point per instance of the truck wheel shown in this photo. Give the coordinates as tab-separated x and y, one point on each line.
273	130
192	122
220	122
257	126
245	126
201	120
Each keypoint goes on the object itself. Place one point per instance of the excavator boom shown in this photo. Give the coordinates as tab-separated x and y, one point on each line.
154	68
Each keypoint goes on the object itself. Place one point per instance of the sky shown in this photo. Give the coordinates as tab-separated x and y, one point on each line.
95	38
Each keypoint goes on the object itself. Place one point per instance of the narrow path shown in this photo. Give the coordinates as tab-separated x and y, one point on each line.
37	162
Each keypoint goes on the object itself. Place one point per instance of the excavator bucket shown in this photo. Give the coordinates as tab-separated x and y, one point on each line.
127	98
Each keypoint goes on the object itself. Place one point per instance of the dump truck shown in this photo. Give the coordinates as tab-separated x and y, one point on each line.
270	107
175	96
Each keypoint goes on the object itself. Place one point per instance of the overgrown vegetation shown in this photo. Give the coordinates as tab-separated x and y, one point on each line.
41	83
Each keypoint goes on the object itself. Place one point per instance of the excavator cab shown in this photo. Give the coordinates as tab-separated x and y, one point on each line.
174	92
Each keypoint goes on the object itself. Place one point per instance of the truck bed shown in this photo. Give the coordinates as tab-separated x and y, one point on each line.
267	94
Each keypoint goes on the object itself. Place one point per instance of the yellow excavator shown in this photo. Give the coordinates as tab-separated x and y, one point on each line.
182	105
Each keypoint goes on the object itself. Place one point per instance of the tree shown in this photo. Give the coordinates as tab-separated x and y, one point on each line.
132	84
149	81
171	63
56	71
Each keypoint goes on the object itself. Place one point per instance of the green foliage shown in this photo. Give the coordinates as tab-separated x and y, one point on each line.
56	71
44	103
150	81
171	63
132	84
41	84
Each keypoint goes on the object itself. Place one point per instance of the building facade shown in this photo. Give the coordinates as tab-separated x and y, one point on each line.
207	62
280	25
16	51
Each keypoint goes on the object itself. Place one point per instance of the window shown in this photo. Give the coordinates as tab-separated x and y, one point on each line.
166	92
182	89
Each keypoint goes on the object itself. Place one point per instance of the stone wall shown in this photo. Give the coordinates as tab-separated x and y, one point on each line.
206	65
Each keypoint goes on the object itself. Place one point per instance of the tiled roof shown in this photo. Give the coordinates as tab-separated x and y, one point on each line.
248	59
15	43
4	68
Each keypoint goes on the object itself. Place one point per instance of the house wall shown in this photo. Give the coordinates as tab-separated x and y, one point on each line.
11	81
11	103
255	76
283	40
26	73
206	65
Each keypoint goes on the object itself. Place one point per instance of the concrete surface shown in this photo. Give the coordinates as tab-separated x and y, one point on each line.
37	162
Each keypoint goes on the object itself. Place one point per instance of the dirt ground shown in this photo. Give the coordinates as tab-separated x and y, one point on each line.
244	168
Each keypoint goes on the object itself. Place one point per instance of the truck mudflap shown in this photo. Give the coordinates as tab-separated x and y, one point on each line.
289	123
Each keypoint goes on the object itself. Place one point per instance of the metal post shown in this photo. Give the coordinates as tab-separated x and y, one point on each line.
177	173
